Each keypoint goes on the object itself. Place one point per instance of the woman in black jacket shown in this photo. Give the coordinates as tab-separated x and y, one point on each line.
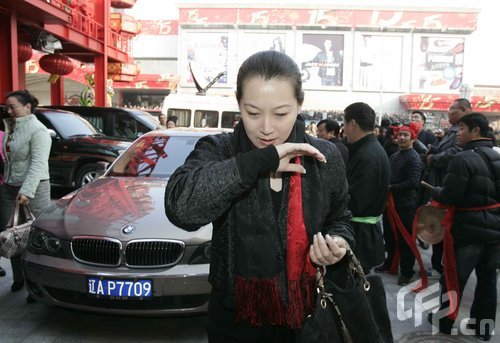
277	199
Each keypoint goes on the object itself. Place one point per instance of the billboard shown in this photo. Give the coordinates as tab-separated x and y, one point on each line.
321	59
438	64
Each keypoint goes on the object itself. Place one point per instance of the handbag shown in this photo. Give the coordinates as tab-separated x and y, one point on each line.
14	239
354	312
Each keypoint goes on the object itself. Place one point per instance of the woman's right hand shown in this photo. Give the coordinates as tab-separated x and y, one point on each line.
288	151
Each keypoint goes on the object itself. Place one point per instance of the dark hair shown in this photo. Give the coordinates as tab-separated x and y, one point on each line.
463	103
270	64
362	113
330	125
172	118
421	114
24	97
386	122
476	119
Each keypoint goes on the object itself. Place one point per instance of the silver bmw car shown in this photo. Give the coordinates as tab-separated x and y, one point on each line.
108	247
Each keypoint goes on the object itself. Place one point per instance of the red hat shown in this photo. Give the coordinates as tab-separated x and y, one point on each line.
413	128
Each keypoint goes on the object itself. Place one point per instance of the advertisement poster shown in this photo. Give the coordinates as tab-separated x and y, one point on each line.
208	54
378	62
251	43
438	64
321	59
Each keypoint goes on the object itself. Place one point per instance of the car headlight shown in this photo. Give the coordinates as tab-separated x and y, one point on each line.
45	243
202	254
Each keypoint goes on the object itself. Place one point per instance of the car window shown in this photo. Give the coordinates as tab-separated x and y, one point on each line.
183	116
97	121
68	124
206	118
125	127
153	156
228	118
148	121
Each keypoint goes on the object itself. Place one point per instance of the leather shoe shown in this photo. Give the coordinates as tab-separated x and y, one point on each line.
404	280
30	300
16	286
444	324
2	272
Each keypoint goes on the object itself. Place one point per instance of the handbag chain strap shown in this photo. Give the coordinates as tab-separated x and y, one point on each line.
328	297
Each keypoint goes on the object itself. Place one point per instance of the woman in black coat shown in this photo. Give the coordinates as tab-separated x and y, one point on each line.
277	199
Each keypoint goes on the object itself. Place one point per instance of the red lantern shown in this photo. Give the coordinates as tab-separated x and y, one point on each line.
24	51
57	65
123	3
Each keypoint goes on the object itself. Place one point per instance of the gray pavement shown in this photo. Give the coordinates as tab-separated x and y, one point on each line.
22	322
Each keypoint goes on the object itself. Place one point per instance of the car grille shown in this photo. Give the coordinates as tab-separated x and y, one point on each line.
153	253
108	252
97	250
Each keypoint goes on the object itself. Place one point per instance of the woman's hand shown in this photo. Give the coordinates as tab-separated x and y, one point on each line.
288	151
22	199
327	250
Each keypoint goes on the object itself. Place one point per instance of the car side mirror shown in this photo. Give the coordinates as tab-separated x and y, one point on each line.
52	134
102	166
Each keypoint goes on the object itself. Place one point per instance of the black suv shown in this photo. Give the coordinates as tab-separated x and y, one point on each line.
116	122
76	147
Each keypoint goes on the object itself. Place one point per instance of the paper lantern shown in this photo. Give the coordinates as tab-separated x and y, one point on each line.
56	64
123	3
24	51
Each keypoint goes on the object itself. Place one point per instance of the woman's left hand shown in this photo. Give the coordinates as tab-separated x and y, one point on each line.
22	199
327	250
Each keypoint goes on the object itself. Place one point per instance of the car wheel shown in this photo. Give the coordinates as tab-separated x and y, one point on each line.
86	174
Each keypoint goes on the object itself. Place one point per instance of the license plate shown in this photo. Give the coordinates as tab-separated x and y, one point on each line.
120	288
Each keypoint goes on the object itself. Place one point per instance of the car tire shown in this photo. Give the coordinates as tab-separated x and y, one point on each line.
86	174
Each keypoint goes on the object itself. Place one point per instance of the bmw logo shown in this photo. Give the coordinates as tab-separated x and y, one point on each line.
128	229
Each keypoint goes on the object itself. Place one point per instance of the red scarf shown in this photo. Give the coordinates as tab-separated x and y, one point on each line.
259	301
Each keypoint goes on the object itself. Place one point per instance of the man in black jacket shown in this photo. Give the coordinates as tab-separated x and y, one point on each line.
329	130
368	174
472	185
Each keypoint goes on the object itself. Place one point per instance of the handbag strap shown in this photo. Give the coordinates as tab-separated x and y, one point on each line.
14	218
355	267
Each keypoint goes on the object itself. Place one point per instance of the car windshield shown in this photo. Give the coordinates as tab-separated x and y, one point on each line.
69	124
153	156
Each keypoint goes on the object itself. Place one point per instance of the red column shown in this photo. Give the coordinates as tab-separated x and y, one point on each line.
102	8
57	92
9	75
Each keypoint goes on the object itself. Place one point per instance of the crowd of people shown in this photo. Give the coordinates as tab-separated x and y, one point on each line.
285	199
361	191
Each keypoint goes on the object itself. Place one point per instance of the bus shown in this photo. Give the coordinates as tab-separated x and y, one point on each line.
215	111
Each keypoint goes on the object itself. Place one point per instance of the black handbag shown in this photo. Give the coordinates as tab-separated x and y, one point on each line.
350	308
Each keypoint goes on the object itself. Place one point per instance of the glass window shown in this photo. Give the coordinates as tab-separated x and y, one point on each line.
228	119
68	124
183	116
206	118
153	156
96	121
125	127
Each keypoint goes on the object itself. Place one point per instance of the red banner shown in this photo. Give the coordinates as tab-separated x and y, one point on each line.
330	17
159	27
441	102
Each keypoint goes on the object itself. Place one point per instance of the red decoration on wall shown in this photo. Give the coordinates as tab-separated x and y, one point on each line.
123	3
24	51
57	65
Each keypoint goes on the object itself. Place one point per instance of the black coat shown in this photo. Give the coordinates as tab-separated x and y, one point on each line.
470	183
209	187
342	148
368	174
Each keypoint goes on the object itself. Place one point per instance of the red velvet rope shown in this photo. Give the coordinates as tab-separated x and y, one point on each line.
450	262
396	222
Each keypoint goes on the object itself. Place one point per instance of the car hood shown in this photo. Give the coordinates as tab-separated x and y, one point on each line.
107	205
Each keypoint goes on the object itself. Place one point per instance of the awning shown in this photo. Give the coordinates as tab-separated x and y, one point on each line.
441	102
